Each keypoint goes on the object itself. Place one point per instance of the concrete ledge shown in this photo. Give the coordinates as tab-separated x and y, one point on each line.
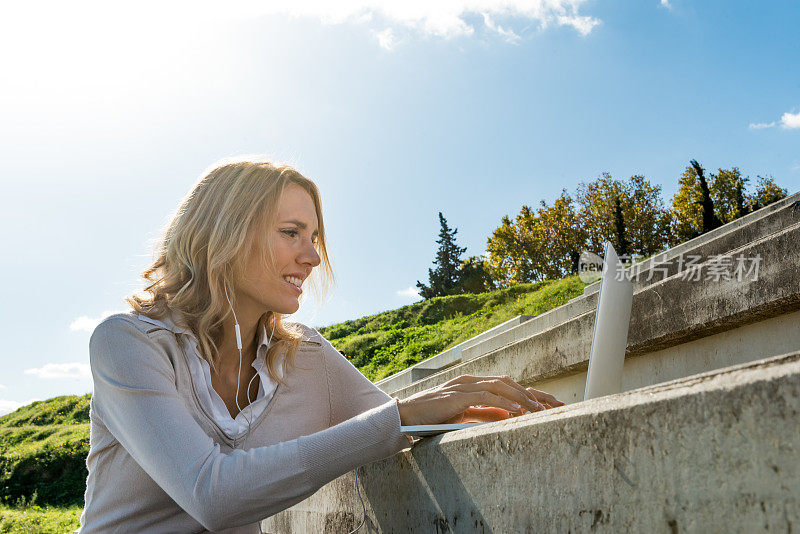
665	314
714	452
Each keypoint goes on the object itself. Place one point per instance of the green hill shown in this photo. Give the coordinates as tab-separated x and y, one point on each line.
43	448
43	445
383	344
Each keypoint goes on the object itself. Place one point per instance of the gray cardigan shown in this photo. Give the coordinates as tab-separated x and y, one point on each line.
159	463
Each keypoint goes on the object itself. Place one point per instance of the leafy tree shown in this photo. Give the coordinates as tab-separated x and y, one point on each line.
539	245
645	222
563	238
767	192
446	278
475	276
513	250
728	193
692	205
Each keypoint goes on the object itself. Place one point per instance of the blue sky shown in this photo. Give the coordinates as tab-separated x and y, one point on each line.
398	110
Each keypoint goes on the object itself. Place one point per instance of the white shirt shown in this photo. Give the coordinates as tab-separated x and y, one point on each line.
201	376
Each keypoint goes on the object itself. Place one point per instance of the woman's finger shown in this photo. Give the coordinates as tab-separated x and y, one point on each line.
462	379
541	396
487	398
501	388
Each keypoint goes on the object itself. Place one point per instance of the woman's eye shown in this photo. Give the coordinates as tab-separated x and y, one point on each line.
293	233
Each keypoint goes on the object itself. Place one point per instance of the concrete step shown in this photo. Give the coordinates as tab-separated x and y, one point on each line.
670	313
712	452
752	227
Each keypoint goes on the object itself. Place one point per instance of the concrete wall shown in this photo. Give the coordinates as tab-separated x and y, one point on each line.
716	452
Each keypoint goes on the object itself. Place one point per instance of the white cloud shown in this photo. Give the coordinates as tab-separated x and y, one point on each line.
440	18
790	120
583	24
410	292
89	323
61	370
666	4
386	38
8	406
2	386
507	34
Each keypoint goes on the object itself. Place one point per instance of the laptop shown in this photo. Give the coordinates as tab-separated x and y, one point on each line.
609	340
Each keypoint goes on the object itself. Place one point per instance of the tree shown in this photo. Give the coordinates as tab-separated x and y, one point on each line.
709	217
445	279
767	192
692	205
475	276
642	220
562	237
728	193
619	229
514	250
539	245
726	197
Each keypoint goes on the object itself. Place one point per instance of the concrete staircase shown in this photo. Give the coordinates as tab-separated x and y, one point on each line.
705	436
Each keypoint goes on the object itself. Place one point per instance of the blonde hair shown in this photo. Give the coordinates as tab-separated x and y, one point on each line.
218	224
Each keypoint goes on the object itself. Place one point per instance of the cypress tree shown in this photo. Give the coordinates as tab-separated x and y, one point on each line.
623	246
446	278
710	219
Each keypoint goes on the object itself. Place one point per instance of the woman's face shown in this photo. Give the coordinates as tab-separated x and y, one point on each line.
292	239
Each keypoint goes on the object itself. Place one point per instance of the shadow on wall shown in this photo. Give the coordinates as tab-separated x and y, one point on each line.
420	495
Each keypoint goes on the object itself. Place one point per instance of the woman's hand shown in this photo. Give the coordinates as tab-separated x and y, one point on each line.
477	399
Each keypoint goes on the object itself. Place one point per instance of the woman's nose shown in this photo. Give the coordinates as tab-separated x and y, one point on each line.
310	255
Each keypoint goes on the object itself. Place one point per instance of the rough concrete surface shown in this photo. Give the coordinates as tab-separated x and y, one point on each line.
714	452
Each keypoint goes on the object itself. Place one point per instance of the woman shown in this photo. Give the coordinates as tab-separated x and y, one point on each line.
210	412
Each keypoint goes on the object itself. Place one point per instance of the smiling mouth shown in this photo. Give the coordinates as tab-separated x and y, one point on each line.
294	282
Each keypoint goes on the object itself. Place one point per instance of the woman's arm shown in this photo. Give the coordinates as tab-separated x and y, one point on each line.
136	397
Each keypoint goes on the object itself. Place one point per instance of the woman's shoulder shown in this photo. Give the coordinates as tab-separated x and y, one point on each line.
125	328
309	335
129	319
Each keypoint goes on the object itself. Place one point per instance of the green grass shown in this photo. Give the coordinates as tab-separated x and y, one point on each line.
66	410
43	448
39	520
383	344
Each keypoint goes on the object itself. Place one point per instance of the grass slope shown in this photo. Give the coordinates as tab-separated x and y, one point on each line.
43	448
383	344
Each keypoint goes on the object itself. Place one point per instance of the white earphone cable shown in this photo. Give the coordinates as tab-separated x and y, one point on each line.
239	373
